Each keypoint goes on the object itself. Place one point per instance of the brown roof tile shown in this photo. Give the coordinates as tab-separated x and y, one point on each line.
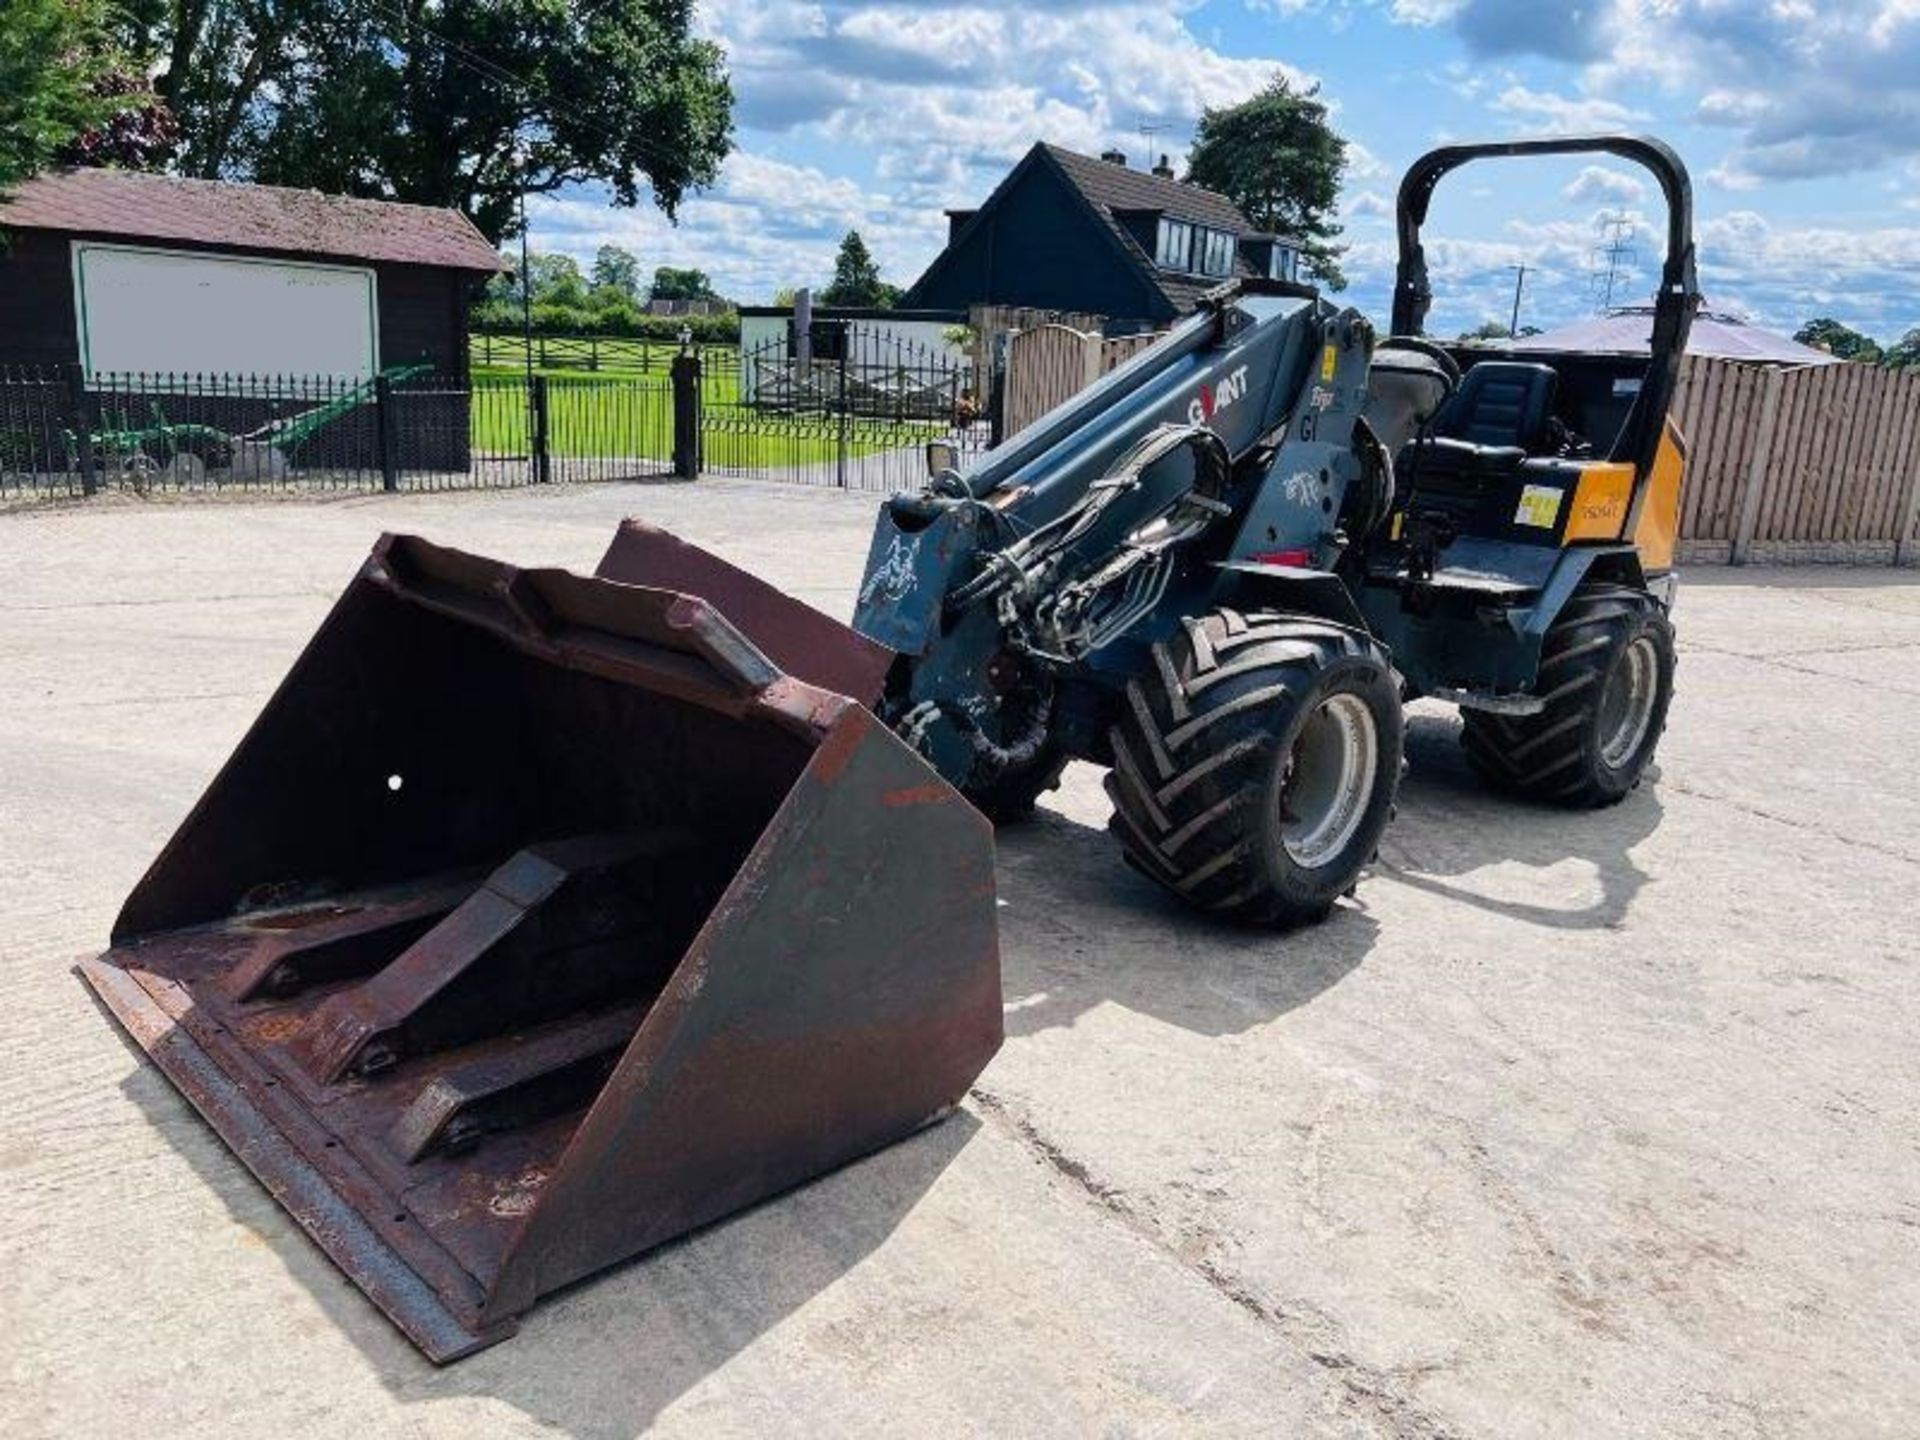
124	203
1120	187
1114	190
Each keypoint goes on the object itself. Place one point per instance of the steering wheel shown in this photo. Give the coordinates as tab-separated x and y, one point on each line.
1448	365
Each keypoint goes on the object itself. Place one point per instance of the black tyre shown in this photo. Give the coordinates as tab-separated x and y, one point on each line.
1606	674
1256	767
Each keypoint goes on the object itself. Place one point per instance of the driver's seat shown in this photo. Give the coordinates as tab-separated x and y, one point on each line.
1504	404
1500	414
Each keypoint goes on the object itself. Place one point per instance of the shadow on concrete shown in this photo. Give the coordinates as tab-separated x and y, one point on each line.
1079	928
601	1358
1451	826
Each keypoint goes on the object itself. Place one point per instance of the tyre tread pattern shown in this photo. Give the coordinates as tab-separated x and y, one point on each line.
1553	755
1194	747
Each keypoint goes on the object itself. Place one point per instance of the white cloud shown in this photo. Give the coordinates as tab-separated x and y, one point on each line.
1728	175
1598	184
1806	89
961	78
1539	110
1424	12
938	100
1363	164
766	224
1776	275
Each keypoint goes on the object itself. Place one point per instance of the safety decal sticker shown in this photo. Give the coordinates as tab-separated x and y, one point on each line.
1539	505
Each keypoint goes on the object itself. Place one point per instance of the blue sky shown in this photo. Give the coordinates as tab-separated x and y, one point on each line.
1800	120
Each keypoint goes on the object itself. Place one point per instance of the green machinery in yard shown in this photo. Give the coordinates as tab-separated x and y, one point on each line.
136	452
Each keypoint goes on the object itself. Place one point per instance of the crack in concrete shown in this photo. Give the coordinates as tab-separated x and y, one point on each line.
143	602
1892	853
121	701
1779	664
1850	649
1309	1330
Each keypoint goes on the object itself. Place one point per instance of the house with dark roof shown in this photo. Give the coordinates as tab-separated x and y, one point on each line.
130	274
1074	232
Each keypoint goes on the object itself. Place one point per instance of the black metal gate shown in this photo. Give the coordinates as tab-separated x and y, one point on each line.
853	407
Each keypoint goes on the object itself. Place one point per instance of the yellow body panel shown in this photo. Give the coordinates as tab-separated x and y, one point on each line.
1659	524
1600	502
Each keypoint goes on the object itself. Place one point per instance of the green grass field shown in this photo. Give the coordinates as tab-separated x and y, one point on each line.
628	414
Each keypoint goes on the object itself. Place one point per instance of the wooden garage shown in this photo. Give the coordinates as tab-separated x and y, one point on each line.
122	273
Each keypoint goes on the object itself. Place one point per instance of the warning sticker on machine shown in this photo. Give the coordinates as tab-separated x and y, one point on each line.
1539	505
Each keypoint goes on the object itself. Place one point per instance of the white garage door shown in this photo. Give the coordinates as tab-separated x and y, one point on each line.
154	312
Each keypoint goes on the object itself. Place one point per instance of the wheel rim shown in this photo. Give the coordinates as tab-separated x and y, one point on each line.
1626	706
1329	780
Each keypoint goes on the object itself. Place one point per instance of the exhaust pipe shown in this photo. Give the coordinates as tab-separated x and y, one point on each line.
541	919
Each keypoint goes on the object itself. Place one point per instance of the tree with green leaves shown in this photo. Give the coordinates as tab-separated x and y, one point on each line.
1839	340
856	277
1494	330
616	271
467	103
674	284
1277	157
556	280
64	85
1904	353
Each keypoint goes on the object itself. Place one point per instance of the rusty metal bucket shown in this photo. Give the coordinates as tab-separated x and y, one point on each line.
540	919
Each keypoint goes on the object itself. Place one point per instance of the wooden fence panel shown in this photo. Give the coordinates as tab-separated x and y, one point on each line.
1787	473
1050	364
1882	515
1116	352
1738	437
1904	511
1045	367
1842	472
1693	413
1790	444
1907	472
1821	462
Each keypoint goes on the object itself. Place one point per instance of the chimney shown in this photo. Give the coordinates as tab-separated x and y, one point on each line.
1164	169
1115	157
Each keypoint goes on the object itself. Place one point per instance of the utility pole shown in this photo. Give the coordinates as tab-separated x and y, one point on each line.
1519	280
1617	251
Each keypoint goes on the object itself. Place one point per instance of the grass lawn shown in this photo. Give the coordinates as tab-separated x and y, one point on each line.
628	415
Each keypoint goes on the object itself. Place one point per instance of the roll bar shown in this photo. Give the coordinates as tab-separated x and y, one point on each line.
1674	306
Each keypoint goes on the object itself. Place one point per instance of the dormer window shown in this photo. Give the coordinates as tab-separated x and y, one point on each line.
1193	249
1217	253
1175	251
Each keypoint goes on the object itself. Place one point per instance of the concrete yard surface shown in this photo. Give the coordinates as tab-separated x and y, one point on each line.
1568	1124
